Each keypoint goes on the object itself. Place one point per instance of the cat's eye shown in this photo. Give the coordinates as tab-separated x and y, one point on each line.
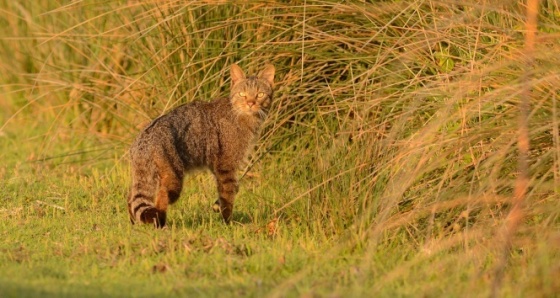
242	94
260	95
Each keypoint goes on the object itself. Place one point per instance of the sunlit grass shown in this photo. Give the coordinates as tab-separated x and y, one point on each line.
386	165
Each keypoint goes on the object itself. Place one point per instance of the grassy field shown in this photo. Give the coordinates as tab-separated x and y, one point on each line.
386	168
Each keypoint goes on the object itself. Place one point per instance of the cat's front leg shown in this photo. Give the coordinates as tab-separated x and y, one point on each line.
227	189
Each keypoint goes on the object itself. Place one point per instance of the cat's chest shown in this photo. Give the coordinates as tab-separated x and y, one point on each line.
235	139
235	134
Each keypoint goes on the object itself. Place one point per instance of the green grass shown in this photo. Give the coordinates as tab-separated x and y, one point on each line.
386	166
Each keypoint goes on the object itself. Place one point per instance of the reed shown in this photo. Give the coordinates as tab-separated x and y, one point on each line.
394	127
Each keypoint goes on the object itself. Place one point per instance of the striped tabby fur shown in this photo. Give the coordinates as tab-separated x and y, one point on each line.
216	135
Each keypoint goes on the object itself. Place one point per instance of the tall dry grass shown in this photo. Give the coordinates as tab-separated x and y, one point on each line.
395	121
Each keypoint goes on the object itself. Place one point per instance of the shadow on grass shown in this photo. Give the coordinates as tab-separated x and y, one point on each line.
199	219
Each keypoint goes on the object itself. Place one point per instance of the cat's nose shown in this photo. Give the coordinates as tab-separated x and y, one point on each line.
250	103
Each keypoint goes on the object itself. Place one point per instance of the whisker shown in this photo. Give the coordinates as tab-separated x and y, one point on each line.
262	114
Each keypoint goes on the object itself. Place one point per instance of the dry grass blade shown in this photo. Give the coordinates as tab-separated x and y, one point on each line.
517	213
394	127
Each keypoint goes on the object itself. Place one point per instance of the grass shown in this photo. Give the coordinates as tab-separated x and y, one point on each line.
386	167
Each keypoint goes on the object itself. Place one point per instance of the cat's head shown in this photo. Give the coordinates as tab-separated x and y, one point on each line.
252	95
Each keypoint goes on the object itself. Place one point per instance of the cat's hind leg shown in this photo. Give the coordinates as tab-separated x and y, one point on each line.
170	186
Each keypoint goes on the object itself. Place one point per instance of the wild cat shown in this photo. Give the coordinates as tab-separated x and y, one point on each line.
216	135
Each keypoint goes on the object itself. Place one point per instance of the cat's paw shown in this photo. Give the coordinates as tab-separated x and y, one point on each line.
216	207
153	216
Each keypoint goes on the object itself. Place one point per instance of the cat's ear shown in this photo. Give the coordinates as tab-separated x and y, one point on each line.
268	74
237	74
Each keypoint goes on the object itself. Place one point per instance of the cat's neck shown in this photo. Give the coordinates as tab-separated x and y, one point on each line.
252	123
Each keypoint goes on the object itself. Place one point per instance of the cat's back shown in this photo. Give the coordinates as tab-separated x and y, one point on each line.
191	126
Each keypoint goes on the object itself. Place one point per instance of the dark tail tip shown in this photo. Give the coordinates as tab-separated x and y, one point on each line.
153	216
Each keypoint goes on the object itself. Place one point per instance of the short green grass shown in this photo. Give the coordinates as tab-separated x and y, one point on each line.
66	233
386	166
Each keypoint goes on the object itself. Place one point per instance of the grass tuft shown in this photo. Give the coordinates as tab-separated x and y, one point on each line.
387	164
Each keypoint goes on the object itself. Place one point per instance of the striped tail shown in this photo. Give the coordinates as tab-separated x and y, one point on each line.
141	208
